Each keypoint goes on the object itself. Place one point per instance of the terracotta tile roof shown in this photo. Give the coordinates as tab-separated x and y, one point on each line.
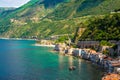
108	58
93	51
111	77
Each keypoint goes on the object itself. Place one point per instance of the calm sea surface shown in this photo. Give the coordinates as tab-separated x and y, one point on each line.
21	60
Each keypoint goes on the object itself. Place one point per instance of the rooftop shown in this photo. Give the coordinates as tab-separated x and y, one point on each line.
111	76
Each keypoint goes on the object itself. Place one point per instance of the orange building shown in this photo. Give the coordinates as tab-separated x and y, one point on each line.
111	77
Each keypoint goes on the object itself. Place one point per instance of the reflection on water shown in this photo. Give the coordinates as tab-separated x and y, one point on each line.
21	61
65	62
70	60
61	61
79	64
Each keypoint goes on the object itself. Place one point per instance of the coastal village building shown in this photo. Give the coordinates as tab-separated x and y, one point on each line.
88	44
118	46
78	52
118	50
109	64
96	45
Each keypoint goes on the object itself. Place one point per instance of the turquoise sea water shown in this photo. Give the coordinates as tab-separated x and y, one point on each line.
21	60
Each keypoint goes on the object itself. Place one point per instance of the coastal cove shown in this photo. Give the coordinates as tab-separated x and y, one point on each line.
21	60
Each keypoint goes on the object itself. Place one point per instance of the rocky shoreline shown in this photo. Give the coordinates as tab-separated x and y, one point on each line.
45	45
110	65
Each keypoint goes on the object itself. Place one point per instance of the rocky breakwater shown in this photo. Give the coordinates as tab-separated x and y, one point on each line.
64	49
46	43
60	47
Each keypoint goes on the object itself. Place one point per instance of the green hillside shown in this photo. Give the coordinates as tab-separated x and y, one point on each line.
79	8
2	9
103	28
44	18
5	10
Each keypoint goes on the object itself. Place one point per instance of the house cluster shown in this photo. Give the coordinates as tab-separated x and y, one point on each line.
88	44
109	64
96	45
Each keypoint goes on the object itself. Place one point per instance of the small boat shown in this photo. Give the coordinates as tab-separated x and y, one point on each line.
72	68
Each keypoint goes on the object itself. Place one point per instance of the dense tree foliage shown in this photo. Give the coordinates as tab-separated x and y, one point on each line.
105	28
6	10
